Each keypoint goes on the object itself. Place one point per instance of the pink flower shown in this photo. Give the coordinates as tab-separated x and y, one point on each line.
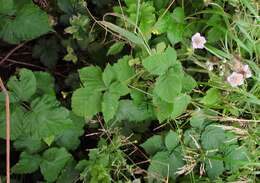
246	71
198	41
235	79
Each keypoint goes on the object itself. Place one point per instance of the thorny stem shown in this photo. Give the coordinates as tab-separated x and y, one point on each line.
7	109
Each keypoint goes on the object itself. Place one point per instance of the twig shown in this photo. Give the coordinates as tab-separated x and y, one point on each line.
7	109
34	66
11	52
167	9
230	119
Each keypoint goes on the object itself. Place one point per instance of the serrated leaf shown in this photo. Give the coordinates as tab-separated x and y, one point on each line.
159	63
162	24
178	15
109	105
27	164
171	140
116	48
153	144
86	102
47	50
70	137
54	160
7	7
175	33
16	118
23	86
44	83
168	86
29	23
214	168
212	97
30	144
137	96
180	104
197	120
235	157
188	83
92	78
163	110
159	4
164	165
49	140
66	6
119	88
191	138
47	118
108	75
69	173
128	111
212	137
122	69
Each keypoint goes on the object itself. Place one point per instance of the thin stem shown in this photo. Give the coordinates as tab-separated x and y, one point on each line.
11	52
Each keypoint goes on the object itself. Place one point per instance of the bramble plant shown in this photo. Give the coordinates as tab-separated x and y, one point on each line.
131	90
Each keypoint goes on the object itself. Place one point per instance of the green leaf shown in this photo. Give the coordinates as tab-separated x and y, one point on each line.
153	145
86	102
212	97
27	164
175	33
188	83
92	78
128	111
23	86
109	105
116	48
122	69
159	63
7	7
46	118
136	39
163	110
29	23
235	157
159	4
49	140
197	120
66	5
180	104
191	138
118	88
171	140
69	173
54	161
44	79
108	75
214	168
16	118
212	137
137	96
168	86
70	137
164	165
178	15
30	144
162	24
47	50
